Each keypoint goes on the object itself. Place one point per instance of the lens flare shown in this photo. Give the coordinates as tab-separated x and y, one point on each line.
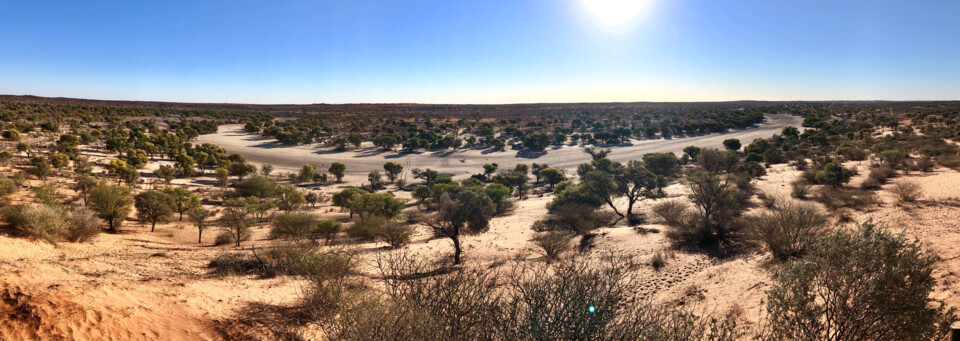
614	13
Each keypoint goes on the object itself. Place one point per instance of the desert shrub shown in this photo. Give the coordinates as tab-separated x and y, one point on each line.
306	261
673	212
907	191
800	189
833	174
235	264
573	218
328	228
553	243
590	300
834	198
81	225
396	234
925	164
949	161
878	176
660	258
789	229
871	183
7	186
39	221
714	225
860	284
576	300
293	225
227	237
368	228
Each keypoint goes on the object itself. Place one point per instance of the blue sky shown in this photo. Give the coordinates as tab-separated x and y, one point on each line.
493	51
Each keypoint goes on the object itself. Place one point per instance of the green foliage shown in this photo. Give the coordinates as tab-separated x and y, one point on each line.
860	284
293	225
833	174
111	203
182	199
153	207
338	170
732	144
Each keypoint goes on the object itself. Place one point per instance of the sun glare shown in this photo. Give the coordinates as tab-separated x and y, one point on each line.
614	14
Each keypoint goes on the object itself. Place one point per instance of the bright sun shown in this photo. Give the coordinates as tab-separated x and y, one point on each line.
614	13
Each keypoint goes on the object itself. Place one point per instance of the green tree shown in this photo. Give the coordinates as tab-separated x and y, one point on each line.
552	175
198	216
166	173
222	175
833	174
153	207
183	199
111	203
289	198
59	160
237	220
40	167
338	170
306	173
393	170
355	139
466	213
664	164
732	144
381	205
422	192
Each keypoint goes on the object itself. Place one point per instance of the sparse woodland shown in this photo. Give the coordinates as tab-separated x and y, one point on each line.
77	171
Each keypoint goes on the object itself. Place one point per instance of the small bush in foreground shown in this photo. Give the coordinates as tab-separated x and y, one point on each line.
861	284
790	229
38	221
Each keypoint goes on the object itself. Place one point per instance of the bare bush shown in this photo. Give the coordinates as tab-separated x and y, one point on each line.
396	234
789	229
800	189
81	226
907	191
835	199
673	212
553	243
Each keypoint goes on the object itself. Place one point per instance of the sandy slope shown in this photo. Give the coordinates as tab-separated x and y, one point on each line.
465	162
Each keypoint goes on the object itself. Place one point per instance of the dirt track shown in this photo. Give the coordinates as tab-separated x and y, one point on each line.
464	162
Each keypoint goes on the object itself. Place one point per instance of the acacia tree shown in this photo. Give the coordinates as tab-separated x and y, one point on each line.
183	199
112	203
153	207
236	218
467	212
198	216
636	182
392	169
338	170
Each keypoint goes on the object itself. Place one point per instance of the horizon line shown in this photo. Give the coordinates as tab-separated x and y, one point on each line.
473	104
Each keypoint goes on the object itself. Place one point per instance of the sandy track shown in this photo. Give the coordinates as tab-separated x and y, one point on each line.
257	149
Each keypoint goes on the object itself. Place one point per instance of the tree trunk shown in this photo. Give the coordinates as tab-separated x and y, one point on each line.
200	236
456	250
153	225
